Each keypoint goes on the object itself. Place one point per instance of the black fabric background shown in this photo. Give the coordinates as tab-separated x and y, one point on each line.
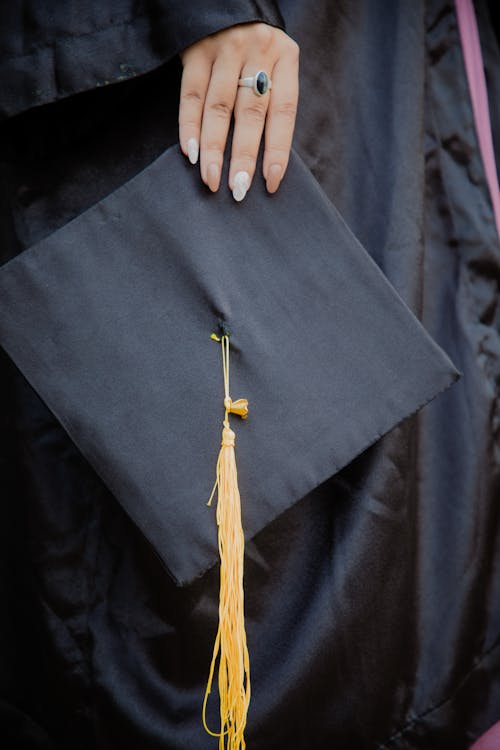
373	604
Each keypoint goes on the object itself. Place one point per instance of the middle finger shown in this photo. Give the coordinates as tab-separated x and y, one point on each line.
217	114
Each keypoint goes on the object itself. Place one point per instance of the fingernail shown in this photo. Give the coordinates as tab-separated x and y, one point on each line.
241	184
213	173
193	150
273	177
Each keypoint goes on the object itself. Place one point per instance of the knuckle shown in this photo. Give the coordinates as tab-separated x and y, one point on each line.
195	57
254	112
264	36
279	153
238	38
287	109
220	109
245	156
191	97
212	146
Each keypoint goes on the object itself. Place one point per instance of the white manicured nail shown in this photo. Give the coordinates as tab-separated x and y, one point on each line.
193	150
240	185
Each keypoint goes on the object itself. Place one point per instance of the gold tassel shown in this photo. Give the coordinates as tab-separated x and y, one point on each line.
230	642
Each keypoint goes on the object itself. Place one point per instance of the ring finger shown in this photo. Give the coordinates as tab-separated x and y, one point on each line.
249	118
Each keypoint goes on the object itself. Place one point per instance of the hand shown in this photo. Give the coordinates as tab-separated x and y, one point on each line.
210	94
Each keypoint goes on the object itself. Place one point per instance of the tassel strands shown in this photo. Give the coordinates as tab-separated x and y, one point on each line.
230	643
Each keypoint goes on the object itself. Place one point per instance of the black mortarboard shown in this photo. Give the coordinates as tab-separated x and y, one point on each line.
110	317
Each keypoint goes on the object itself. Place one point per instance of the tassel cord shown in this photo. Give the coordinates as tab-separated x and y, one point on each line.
230	644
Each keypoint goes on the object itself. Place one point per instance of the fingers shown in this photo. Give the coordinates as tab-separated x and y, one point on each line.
210	96
195	79
219	104
249	118
280	120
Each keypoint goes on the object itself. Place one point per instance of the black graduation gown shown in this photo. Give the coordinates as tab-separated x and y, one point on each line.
374	601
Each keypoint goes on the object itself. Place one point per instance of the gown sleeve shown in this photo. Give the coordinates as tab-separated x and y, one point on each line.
51	50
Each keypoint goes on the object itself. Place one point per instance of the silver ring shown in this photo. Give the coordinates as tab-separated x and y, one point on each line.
260	83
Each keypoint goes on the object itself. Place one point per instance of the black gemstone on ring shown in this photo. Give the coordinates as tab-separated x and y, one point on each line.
261	83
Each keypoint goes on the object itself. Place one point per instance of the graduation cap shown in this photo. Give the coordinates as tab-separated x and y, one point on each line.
110	320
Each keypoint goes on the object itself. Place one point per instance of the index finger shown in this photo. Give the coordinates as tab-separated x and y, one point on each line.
280	121
194	84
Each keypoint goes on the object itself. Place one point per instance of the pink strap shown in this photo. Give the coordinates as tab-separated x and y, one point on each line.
473	59
477	85
490	740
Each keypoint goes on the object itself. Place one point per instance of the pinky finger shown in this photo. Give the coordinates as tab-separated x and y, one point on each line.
194	86
280	121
